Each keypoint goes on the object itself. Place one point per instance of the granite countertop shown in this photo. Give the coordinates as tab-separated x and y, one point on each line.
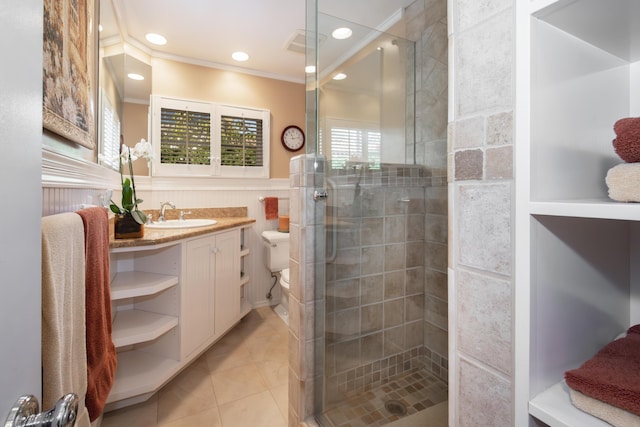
226	218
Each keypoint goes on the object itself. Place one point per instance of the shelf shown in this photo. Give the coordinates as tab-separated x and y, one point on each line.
244	279
587	208
139	373
553	407
130	284
612	26
137	326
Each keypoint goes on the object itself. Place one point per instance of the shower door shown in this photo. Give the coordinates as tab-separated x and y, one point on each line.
371	365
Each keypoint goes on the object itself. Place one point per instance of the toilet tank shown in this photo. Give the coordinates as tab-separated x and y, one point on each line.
277	246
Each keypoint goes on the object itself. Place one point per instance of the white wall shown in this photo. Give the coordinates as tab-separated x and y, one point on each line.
20	253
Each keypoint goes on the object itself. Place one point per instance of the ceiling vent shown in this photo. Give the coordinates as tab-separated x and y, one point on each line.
297	42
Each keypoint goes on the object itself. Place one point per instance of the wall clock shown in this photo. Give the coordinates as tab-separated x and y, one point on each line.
292	138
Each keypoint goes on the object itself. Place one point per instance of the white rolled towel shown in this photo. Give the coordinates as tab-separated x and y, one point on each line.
623	182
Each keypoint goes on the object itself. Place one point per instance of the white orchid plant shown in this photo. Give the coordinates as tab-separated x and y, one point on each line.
129	200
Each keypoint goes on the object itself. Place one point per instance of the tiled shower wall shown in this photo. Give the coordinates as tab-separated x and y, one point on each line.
375	275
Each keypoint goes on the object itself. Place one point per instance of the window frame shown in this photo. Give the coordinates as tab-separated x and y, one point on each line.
215	168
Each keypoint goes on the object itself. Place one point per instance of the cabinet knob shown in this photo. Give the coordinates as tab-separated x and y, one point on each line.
215	250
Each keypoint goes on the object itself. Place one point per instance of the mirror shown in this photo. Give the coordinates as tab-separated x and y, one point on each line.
123	100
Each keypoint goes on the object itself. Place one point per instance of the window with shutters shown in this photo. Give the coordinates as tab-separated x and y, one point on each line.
350	141
207	139
109	134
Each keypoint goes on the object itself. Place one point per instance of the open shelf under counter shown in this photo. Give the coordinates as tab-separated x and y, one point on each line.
553	407
131	284
139	373
587	208
138	326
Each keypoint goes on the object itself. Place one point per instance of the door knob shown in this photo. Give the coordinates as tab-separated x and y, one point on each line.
25	413
320	195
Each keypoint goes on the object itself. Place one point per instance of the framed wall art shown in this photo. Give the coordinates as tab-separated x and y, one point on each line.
69	70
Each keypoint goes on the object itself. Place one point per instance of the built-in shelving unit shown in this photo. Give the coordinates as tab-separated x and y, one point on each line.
577	283
145	293
170	303
245	304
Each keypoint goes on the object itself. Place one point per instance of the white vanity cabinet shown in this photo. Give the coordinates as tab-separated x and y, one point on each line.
577	280
170	302
211	303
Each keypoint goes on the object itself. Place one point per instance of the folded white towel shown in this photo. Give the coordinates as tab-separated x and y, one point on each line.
623	182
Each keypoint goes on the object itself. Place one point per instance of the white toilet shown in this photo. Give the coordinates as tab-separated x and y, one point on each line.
277	261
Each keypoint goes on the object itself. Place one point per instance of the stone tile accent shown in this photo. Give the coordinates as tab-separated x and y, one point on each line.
468	164
500	162
485	400
500	129
484	306
484	66
469	133
484	227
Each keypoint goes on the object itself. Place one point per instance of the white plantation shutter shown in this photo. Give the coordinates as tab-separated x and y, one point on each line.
200	138
109	134
185	137
352	141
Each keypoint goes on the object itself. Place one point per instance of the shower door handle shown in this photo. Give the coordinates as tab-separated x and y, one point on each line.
25	413
320	195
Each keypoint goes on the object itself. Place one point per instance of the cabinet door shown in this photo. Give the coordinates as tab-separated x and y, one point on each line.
227	280
197	306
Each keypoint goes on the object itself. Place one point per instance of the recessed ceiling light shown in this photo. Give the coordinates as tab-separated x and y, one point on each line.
134	76
342	33
310	69
340	76
240	56
156	39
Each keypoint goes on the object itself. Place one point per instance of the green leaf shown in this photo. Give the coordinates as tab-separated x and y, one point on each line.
127	198
139	216
114	208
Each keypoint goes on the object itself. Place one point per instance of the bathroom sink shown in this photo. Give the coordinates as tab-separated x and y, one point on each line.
182	223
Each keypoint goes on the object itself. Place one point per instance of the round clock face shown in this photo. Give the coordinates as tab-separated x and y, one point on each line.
292	138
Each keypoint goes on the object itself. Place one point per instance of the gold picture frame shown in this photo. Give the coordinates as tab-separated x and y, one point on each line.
69	70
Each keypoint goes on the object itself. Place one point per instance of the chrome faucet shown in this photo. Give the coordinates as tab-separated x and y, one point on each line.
163	206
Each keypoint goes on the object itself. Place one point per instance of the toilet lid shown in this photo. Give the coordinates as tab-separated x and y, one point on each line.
284	278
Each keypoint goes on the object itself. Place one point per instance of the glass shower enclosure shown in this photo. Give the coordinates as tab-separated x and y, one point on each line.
372	359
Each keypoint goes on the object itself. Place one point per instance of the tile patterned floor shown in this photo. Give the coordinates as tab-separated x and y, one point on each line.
416	390
240	381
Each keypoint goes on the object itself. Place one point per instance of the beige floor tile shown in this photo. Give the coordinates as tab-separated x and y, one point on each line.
228	343
258	410
245	373
236	383
270	347
189	393
234	358
281	396
208	418
275	372
141	415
